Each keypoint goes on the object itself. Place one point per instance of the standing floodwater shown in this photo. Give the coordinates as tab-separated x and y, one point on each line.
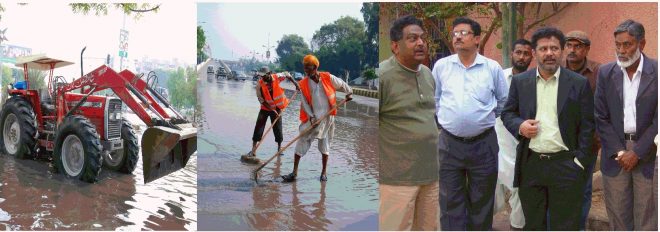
230	200
34	197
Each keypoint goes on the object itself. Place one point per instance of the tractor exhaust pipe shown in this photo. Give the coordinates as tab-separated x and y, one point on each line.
81	61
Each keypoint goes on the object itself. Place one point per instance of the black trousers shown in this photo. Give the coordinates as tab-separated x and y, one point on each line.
468	175
261	123
552	190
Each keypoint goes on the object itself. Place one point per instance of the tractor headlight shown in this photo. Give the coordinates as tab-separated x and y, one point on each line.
117	116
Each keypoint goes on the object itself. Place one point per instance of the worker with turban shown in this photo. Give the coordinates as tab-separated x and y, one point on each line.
318	90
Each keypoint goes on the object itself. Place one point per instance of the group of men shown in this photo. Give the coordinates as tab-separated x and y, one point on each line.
318	90
450	136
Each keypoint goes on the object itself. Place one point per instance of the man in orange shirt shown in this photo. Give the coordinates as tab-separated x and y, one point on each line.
272	99
318	90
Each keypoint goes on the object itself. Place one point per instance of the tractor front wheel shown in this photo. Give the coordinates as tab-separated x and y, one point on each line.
78	149
19	128
124	160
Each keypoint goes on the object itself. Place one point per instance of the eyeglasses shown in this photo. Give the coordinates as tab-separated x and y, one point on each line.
461	33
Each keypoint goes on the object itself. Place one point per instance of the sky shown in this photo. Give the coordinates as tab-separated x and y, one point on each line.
53	28
234	30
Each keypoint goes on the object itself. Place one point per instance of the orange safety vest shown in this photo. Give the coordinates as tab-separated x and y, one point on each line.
278	99
329	89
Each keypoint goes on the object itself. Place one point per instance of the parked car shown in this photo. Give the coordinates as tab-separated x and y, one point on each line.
221	73
209	73
240	75
209	70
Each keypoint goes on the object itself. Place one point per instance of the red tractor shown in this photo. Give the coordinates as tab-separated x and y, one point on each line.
84	132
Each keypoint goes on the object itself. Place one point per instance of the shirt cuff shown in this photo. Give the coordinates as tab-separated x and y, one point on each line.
578	162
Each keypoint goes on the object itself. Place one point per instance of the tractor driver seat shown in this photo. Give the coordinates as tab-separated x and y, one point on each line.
46	102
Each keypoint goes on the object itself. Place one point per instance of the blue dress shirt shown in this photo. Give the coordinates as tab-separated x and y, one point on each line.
468	99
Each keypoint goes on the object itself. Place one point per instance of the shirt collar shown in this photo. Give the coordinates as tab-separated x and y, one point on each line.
477	60
556	75
419	67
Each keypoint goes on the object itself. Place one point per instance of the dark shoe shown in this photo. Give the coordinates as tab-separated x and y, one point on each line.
289	178
323	178
515	228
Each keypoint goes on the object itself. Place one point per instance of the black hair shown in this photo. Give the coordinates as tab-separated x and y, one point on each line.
521	42
396	31
546	33
474	25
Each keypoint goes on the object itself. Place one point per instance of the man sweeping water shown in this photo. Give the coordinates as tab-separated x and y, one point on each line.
318	90
273	100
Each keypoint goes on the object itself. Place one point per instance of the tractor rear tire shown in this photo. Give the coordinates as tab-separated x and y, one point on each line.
18	127
124	160
78	149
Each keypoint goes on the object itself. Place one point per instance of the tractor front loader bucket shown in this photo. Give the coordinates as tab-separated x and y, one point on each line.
166	150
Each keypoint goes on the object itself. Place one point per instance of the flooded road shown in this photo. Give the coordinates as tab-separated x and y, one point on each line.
33	197
230	200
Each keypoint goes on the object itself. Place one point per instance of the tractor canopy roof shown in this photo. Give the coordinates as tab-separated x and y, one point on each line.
40	62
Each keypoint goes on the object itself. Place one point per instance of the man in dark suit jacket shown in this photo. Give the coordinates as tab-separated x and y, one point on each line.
550	111
626	103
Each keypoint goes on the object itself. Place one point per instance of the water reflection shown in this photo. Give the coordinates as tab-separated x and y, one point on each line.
34	197
229	200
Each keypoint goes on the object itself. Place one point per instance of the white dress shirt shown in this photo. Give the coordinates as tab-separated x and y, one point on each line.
630	88
507	143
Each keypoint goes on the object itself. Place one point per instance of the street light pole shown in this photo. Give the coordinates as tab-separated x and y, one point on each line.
268	47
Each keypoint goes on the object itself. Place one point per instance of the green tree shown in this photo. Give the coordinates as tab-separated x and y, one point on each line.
6	79
370	12
343	28
341	49
290	50
182	87
201	41
130	9
7	76
37	79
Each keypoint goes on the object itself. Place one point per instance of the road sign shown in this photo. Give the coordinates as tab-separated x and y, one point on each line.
8	60
10	52
123	43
